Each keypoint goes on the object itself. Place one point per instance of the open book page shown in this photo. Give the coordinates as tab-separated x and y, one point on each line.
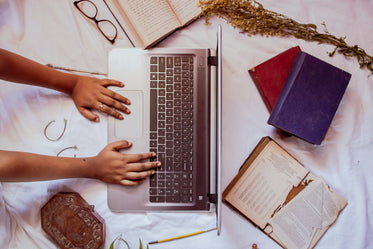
302	222
185	10
150	19
264	186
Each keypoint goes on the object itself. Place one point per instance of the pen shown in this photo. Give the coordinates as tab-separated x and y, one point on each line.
180	236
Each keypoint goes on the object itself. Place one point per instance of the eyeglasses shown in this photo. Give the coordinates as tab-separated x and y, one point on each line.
106	27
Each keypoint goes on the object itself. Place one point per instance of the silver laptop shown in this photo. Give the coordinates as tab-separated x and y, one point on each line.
176	112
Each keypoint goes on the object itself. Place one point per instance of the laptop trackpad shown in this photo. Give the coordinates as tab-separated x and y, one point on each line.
132	125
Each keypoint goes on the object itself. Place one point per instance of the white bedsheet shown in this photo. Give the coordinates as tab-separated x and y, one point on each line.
55	32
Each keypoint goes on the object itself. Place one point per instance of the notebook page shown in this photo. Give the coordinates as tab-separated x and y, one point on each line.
265	184
151	19
303	221
186	10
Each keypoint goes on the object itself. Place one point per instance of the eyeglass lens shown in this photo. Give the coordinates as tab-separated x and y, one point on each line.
87	8
106	27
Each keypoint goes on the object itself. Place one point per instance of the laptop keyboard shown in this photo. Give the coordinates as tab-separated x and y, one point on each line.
171	128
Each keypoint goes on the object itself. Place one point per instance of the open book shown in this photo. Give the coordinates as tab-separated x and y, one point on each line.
146	22
282	198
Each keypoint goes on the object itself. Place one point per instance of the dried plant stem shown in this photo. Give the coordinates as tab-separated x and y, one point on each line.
253	19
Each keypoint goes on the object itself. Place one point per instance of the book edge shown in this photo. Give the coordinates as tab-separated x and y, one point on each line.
261	92
152	44
253	155
293	74
247	163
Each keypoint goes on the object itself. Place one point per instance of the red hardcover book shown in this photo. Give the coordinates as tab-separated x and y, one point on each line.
270	76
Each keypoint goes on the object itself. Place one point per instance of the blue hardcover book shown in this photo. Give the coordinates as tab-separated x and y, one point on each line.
309	98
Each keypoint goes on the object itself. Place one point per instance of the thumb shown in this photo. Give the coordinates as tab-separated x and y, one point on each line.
118	145
88	114
109	82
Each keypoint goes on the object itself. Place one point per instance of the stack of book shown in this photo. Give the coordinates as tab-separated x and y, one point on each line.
282	198
272	188
301	92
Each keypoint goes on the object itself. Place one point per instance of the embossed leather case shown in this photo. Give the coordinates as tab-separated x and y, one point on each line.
72	222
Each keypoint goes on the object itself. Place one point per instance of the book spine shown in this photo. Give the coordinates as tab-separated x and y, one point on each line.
293	74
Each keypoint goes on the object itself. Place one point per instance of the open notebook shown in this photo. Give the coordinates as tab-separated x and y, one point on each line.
147	22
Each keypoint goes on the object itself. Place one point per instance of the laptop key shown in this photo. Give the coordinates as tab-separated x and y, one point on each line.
162	184
177	61
157	198
162	64
153	144
153	60
169	62
173	199
153	110
153	135
153	180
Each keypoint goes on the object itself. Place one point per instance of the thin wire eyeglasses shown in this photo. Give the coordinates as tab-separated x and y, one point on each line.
106	27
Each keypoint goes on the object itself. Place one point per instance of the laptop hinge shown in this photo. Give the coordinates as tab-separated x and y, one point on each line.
213	198
212	61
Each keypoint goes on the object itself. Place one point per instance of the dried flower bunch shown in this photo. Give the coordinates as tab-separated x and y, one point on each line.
253	19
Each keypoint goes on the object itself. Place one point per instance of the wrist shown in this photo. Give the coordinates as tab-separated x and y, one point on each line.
66	83
88	166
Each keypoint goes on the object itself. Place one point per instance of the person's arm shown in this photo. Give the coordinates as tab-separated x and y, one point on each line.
87	92
109	166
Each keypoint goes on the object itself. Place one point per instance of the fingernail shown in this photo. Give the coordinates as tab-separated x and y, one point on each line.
97	119
128	102
158	163
120	116
128	111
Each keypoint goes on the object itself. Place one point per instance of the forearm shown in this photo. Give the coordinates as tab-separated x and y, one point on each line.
19	69
109	166
21	166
